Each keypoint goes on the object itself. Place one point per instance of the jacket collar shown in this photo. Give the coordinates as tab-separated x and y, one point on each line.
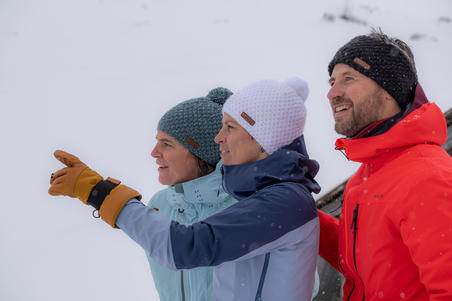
288	164
202	190
422	123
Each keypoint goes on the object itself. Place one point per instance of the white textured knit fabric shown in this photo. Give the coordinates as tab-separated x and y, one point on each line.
275	113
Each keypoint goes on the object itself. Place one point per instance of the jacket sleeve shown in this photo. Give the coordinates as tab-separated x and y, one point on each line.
329	247
149	229
253	226
425	219
274	217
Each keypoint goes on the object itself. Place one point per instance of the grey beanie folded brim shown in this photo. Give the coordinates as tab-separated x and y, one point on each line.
194	123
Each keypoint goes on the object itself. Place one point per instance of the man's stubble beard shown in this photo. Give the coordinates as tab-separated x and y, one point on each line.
363	114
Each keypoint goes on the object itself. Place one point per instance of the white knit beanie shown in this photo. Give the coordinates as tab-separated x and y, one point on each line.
272	112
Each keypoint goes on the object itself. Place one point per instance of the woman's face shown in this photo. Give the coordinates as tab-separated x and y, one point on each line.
236	144
176	163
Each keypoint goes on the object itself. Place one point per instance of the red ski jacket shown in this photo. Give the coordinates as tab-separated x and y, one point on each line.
393	240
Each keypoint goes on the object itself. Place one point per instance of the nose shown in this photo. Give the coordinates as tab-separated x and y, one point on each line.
155	153
219	138
335	92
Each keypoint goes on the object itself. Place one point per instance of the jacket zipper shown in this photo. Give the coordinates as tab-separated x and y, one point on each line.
354	228
353	287
262	279
342	152
182	284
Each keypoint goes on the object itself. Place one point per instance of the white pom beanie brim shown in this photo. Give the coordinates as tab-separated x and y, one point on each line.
272	112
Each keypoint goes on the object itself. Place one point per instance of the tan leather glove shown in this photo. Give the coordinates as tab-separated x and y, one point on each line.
79	181
76	180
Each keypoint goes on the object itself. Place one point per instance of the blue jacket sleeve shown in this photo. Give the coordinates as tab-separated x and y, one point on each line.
253	226
266	221
149	229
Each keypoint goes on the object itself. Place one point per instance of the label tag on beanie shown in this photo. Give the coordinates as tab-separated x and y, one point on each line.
361	63
192	142
248	118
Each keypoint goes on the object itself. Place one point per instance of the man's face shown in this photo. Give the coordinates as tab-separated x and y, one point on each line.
357	101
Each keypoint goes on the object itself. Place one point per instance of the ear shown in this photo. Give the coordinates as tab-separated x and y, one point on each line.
388	97
391	105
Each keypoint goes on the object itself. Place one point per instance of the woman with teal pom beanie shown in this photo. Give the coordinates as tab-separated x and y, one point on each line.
189	162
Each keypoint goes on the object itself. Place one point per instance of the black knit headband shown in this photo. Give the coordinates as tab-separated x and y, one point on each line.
384	63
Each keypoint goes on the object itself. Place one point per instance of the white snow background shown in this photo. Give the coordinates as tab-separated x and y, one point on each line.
94	77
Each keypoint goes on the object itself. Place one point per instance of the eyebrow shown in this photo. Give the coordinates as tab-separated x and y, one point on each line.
230	121
332	78
163	139
347	73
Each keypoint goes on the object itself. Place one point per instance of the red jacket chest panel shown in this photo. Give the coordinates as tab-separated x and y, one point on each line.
371	249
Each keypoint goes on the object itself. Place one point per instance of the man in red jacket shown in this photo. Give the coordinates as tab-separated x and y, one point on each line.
393	240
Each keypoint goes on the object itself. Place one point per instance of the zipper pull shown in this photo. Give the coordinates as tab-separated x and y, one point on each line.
342	152
355	219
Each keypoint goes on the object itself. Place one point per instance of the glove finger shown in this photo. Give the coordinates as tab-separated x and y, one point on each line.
59	180
58	174
60	186
66	158
54	190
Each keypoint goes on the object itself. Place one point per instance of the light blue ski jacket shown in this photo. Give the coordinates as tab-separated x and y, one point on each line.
264	247
188	203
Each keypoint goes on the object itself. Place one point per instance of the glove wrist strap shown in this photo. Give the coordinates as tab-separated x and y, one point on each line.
100	192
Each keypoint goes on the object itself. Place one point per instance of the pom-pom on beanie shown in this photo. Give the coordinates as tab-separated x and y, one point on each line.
272	112
194	123
384	62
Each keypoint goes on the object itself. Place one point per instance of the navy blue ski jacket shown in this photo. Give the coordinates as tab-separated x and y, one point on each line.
264	247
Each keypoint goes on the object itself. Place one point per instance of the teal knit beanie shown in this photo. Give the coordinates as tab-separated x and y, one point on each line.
194	123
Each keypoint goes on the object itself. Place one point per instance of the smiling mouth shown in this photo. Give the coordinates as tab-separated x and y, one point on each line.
223	152
341	109
161	166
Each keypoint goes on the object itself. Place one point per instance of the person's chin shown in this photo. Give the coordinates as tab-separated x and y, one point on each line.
164	179
227	160
342	118
341	124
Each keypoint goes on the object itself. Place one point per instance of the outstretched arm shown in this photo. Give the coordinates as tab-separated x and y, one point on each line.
248	228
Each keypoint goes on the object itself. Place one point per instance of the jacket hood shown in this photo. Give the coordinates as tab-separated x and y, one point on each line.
423	125
290	163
